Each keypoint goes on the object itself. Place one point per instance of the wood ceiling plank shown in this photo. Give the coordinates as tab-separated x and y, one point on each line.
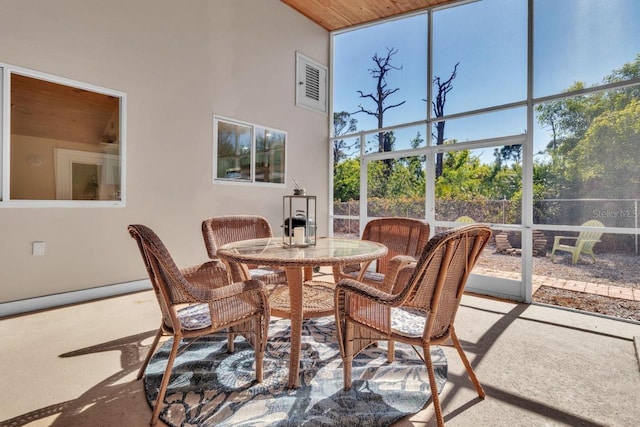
335	14
49	110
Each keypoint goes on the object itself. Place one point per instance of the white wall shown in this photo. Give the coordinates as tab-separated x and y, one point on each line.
179	62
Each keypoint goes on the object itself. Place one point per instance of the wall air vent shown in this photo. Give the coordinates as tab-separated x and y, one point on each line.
312	79
311	84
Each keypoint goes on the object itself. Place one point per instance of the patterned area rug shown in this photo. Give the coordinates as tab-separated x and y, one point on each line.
210	387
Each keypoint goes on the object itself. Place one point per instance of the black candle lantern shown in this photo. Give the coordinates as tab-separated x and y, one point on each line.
299	219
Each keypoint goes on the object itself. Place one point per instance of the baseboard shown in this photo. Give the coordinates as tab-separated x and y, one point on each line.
13	308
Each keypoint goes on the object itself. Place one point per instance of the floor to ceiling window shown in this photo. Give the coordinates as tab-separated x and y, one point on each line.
523	114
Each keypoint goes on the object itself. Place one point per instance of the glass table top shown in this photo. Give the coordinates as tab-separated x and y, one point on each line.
327	250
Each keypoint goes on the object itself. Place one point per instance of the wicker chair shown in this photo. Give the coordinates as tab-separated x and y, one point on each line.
423	310
220	230
402	236
199	301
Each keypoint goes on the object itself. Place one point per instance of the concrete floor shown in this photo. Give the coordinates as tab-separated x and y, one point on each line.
540	366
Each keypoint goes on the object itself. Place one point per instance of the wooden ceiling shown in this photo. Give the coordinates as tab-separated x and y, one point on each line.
49	110
339	14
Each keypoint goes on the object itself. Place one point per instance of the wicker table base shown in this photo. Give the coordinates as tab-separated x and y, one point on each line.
317	300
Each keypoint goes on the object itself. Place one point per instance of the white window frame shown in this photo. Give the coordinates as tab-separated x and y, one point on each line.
5	140
519	290
252	179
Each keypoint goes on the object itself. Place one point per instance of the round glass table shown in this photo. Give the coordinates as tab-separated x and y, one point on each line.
303	298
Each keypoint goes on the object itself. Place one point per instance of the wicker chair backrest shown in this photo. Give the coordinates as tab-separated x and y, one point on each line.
401	236
220	230
169	284
437	283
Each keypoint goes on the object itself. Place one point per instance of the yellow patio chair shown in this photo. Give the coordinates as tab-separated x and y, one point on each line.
465	219
584	242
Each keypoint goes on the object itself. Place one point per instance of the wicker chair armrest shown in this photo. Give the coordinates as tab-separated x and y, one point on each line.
210	265
350	268
397	264
228	291
346	286
210	274
238	272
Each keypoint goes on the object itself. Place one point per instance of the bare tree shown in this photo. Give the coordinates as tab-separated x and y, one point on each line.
382	67
443	88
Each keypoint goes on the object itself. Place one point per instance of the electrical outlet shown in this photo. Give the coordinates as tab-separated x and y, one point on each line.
37	248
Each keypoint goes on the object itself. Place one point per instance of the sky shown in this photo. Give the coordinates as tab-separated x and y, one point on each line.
574	40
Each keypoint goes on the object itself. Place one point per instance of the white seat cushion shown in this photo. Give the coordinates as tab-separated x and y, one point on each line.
195	317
